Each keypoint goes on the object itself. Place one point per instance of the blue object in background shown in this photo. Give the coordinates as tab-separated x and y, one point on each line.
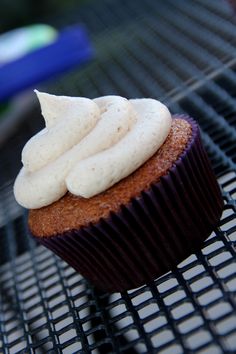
72	47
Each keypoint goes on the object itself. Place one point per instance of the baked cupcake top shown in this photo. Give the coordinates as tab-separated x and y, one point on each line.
72	212
88	146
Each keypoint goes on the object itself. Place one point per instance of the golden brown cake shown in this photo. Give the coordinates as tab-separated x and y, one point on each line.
72	212
142	226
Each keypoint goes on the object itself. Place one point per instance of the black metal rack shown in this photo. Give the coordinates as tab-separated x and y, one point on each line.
184	53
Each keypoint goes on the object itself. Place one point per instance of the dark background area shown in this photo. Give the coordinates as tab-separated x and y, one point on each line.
25	12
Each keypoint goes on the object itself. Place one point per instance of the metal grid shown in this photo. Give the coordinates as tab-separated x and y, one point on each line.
45	305
183	52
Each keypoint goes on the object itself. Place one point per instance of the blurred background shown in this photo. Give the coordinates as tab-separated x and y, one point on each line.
182	52
25	12
90	48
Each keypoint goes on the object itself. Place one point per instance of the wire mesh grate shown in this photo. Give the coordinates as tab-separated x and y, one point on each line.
183	52
46	305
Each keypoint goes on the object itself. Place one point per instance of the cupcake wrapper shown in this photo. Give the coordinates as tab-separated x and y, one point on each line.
154	232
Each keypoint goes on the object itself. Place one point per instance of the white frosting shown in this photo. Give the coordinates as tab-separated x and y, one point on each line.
88	146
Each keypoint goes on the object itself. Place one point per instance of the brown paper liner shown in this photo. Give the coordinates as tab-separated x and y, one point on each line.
154	232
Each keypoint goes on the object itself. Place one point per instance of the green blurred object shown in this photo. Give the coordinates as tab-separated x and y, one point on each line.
18	42
3	109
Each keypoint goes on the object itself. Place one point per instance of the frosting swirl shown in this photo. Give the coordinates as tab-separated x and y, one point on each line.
88	145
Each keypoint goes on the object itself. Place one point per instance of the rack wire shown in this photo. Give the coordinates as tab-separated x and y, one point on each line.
184	53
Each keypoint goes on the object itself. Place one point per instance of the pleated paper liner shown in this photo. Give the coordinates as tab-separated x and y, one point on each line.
154	232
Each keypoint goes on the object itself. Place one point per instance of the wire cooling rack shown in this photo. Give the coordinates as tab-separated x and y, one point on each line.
184	53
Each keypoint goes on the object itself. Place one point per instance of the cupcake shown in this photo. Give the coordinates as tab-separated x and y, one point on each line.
118	188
